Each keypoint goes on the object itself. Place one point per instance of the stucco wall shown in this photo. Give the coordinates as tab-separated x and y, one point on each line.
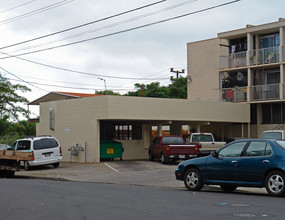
77	121
203	68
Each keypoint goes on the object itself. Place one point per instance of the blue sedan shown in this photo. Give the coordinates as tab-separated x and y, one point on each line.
248	163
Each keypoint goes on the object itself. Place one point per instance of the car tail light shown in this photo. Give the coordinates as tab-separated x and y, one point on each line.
60	151
33	157
200	146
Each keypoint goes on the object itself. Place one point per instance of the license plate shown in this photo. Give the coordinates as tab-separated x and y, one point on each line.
110	151
48	155
182	156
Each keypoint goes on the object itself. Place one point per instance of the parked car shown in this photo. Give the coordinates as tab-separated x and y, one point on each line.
248	163
172	147
273	134
46	150
206	142
5	147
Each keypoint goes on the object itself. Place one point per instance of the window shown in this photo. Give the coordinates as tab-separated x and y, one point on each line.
24	145
273	113
45	143
233	150
281	144
123	132
172	140
202	138
257	148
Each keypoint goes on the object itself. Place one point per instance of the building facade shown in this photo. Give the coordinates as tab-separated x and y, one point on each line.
242	66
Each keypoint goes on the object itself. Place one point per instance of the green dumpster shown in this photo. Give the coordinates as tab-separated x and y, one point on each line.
111	149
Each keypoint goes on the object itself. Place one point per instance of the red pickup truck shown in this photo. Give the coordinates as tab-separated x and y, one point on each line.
172	147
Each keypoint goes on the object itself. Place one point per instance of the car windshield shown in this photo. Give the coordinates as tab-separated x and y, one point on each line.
45	143
281	143
202	138
272	135
172	140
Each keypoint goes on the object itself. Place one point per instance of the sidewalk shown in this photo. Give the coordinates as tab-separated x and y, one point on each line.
144	173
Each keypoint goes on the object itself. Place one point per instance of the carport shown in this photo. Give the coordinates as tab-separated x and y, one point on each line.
129	120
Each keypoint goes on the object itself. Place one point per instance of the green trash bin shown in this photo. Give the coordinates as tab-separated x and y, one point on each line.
110	149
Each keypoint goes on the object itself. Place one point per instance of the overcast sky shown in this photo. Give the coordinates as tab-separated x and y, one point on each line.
143	55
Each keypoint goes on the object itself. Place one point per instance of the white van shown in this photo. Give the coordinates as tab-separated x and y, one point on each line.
46	150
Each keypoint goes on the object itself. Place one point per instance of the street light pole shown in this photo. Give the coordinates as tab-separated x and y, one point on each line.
105	84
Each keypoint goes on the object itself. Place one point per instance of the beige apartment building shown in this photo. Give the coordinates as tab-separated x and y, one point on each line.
235	89
242	66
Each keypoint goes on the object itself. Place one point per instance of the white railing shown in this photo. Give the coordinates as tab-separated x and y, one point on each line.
264	56
237	94
233	60
265	92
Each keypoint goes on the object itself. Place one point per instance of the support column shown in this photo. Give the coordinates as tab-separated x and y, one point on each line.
198	128
248	94
281	58
242	130
282	81
159	130
248	130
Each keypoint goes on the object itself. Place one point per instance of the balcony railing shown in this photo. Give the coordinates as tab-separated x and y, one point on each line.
256	57
233	60
264	56
237	94
265	92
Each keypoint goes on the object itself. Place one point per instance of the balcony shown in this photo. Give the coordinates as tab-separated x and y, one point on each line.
256	57
233	60
264	56
265	92
237	94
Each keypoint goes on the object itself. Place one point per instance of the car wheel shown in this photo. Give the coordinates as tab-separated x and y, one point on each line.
228	187
27	165
193	180
55	165
164	160
10	174
150	157
275	184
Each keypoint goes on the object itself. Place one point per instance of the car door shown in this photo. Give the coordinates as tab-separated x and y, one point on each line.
155	147
223	166
255	161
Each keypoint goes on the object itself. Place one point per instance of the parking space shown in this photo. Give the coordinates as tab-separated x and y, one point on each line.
139	172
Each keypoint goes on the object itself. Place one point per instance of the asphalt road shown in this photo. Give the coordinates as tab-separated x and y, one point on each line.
45	199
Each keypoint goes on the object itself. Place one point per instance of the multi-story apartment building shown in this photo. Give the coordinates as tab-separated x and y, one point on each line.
243	65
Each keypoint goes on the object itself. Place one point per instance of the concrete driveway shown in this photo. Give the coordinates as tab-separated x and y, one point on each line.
119	172
142	172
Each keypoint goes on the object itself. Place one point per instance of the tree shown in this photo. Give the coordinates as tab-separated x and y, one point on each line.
107	92
10	100
177	89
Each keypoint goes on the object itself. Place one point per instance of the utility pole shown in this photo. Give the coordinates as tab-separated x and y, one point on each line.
105	84
177	72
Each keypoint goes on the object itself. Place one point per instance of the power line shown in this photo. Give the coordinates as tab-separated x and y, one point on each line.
83	25
58	86
126	30
118	23
75	71
46	8
18	6
22	79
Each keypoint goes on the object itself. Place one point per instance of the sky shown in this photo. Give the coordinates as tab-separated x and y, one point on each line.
118	43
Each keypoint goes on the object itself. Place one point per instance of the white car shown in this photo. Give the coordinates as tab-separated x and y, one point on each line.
46	150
